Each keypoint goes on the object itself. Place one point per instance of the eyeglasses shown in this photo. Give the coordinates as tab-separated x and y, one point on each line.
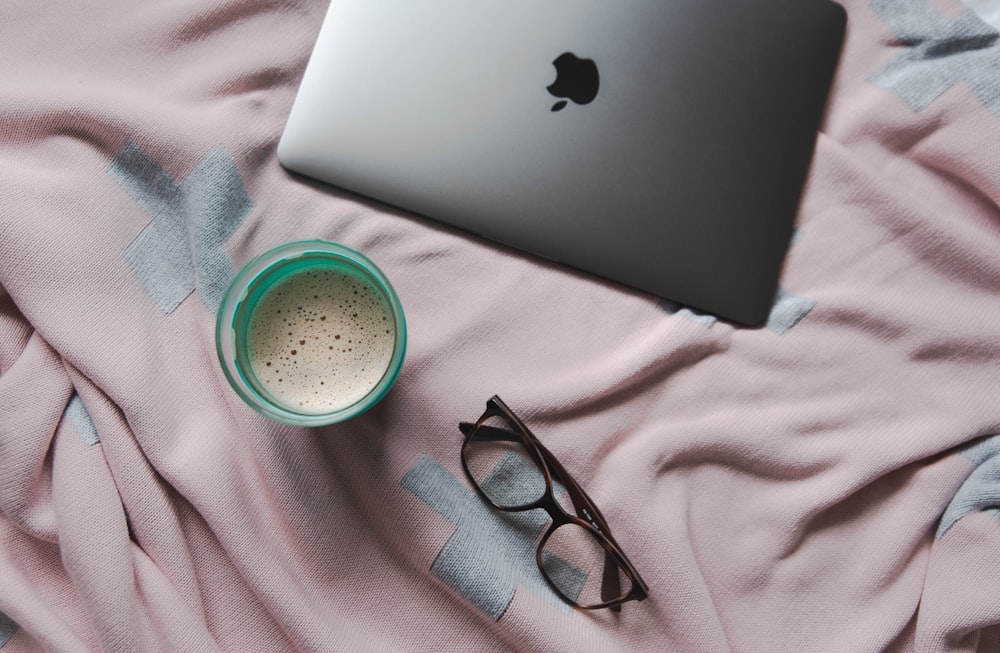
512	471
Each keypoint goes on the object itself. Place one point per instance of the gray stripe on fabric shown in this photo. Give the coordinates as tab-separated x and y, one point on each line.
980	492
788	310
943	52
179	251
490	552
78	416
7	629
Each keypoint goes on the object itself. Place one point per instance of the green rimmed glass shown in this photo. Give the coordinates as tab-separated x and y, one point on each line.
281	268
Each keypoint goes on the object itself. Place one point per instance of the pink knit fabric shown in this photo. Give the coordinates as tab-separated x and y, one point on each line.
825	483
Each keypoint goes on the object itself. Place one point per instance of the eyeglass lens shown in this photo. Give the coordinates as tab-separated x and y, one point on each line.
502	467
576	563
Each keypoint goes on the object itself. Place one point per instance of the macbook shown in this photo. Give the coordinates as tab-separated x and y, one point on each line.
659	144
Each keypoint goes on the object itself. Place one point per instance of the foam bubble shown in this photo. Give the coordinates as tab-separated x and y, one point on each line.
320	339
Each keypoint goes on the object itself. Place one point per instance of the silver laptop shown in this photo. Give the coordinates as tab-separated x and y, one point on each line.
660	144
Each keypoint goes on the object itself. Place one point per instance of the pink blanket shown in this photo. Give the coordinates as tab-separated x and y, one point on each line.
829	482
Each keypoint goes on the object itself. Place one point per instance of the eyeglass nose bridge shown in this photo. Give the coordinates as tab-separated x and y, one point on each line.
549	502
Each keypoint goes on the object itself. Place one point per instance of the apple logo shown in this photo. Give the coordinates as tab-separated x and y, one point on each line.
576	79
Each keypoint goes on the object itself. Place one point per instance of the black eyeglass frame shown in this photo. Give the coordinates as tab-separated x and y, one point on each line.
588	516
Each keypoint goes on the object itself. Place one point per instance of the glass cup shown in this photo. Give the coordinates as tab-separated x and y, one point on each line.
311	333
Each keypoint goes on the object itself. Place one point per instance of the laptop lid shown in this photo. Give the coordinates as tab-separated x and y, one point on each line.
661	144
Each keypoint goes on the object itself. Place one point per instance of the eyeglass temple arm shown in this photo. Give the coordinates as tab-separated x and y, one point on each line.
585	507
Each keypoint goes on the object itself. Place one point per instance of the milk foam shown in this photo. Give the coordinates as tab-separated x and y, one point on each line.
320	339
